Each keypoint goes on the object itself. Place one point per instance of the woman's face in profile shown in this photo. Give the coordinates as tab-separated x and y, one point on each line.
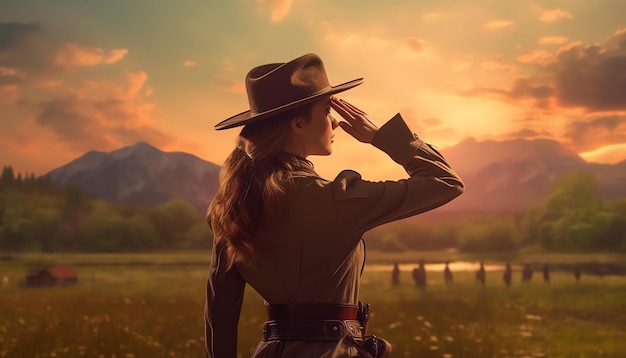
318	132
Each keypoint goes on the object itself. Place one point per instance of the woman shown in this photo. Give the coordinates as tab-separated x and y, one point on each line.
294	236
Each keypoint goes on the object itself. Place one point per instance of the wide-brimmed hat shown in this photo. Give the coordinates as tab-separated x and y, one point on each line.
278	87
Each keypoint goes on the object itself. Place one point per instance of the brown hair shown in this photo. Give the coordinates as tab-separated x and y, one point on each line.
253	180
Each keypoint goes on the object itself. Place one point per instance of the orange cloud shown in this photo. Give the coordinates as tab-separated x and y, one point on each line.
102	115
21	141
431	16
410	47
135	80
527	133
415	44
577	90
462	62
189	63
610	154
406	47
538	56
7	71
229	85
8	93
551	15
23	54
552	40
72	55
587	134
586	77
278	9
345	39
498	24
497	65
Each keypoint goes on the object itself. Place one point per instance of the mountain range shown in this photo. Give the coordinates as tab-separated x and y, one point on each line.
141	175
502	176
515	174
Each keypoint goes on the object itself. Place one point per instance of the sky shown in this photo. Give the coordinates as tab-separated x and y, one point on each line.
81	75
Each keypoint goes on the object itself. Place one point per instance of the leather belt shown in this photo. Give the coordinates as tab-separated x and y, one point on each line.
310	330
311	312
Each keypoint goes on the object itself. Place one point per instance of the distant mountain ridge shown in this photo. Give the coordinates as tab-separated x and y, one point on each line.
141	175
515	174
502	176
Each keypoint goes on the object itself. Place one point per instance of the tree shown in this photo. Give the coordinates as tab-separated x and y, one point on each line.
8	177
575	217
173	220
198	237
44	230
500	234
108	231
572	192
75	207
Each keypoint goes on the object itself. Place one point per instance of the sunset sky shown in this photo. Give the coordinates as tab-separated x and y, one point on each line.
80	75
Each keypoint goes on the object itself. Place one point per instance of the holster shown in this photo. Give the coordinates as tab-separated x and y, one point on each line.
363	316
374	346
377	347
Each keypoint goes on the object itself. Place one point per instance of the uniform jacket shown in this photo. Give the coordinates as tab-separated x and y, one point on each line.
313	252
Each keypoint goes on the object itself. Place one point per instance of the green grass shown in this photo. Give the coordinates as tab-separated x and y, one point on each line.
135	308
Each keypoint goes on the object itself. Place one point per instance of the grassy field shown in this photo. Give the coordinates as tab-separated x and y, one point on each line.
150	305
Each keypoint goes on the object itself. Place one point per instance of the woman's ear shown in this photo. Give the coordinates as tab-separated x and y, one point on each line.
296	125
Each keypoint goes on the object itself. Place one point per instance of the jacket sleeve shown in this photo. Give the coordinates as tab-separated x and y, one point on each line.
224	298
431	183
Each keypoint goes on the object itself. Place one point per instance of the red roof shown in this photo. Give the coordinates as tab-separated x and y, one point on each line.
58	271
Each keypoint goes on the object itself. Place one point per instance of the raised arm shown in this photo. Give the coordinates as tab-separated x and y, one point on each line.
431	183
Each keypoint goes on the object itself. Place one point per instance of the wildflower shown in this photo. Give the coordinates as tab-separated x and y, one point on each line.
533	317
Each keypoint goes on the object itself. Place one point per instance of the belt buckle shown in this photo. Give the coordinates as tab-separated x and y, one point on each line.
354	328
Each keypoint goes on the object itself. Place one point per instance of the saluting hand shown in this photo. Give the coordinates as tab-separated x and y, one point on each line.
356	123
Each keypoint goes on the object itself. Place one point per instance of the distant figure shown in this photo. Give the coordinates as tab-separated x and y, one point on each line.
546	274
480	274
395	275
527	273
5	280
508	273
577	273
419	275
447	274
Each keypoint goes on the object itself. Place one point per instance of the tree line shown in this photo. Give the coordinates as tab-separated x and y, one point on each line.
572	218
37	216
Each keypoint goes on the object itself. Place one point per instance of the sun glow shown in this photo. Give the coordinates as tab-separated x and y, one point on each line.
610	154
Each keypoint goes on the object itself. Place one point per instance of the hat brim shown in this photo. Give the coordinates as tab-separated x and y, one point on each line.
247	117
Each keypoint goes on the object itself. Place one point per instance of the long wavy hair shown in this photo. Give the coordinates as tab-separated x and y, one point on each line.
253	180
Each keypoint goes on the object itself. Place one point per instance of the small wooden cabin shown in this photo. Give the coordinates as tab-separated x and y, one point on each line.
52	276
